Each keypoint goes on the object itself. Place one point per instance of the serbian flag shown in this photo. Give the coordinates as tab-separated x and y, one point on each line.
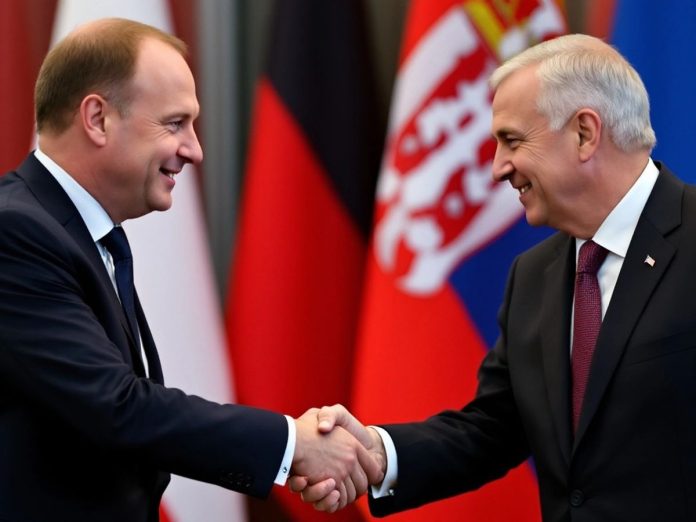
658	38
173	275
298	267
444	233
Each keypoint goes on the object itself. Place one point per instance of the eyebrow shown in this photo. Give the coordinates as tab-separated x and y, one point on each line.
501	133
183	115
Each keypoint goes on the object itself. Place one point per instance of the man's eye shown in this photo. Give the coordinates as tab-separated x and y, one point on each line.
512	141
176	124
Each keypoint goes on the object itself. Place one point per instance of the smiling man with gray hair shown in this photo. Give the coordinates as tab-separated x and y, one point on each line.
594	371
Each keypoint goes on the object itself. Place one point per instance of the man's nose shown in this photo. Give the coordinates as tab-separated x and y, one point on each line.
502	167
191	149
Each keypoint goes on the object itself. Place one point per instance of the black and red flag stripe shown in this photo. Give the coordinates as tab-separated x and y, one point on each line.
297	269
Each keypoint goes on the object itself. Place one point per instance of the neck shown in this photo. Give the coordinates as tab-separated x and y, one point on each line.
77	160
610	178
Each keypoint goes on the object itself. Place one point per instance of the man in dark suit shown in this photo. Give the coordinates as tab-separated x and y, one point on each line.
88	431
596	382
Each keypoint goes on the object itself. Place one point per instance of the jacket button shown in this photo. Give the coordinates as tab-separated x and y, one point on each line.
577	497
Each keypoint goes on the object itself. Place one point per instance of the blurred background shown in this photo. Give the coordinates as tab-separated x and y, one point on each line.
342	240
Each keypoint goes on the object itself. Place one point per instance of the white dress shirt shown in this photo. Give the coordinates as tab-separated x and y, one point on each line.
614	234
616	231
99	224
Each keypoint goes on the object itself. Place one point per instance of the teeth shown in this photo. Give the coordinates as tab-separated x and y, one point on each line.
525	188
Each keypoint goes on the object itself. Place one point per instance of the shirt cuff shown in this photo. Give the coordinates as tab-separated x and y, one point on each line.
386	488
286	463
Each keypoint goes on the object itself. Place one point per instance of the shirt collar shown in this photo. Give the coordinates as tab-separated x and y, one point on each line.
616	231
93	214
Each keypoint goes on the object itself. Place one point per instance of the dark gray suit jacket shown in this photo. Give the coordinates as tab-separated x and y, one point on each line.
84	436
633	457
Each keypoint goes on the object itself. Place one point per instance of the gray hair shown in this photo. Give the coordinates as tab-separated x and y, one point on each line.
577	71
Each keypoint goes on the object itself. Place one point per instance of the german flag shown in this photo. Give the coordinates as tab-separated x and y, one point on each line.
297	273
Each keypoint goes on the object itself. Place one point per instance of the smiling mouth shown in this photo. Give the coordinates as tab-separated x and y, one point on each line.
524	188
170	174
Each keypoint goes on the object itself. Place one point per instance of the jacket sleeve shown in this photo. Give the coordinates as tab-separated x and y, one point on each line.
58	361
458	451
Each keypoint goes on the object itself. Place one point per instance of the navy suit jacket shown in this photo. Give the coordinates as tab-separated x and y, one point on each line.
84	435
633	457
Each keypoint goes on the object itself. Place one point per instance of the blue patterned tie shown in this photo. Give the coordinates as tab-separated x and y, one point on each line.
116	243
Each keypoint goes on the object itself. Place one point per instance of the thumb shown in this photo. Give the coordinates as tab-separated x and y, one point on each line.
330	416
337	415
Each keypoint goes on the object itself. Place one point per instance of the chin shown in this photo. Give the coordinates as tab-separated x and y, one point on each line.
161	205
534	220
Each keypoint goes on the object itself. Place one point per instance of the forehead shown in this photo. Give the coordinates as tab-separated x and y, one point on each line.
514	102
161	73
159	61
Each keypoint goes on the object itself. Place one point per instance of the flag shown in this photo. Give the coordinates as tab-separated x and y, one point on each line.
173	275
658	39
444	233
307	201
24	39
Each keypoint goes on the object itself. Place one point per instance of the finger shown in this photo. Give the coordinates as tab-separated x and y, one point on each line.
318	491
370	466
329	416
343	497
358	480
338	415
297	483
351	492
329	503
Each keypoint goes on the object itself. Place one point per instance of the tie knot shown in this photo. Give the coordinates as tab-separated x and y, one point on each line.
591	257
116	243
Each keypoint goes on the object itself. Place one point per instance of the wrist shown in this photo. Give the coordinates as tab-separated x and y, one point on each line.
300	445
378	447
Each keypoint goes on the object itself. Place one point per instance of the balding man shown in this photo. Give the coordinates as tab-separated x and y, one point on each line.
88	431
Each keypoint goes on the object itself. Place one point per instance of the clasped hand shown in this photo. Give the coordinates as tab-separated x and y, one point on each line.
336	458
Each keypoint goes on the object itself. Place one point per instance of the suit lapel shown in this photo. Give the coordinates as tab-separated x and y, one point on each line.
153	361
556	313
57	203
636	283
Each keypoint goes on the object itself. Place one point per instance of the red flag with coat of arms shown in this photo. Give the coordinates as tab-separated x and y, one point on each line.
444	233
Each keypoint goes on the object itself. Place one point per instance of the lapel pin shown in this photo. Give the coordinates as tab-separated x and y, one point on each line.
649	261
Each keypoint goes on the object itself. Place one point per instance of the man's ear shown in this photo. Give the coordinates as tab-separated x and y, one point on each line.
589	130
93	118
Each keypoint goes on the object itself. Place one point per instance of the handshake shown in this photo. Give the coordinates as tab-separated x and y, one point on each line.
336	458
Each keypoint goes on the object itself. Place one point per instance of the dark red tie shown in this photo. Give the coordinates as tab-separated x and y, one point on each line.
588	319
